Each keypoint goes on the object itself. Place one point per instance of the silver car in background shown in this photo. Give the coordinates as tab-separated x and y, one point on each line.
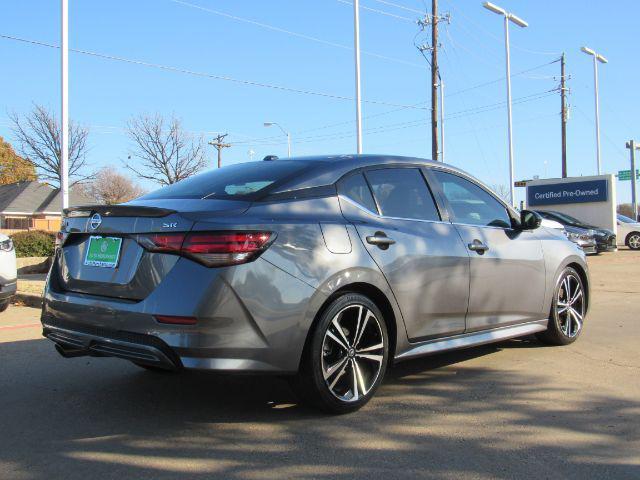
327	269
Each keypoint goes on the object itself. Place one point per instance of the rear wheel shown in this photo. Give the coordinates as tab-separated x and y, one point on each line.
567	310
633	241
347	356
4	304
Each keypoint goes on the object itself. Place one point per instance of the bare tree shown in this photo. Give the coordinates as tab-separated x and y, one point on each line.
110	187
164	151
502	191
39	140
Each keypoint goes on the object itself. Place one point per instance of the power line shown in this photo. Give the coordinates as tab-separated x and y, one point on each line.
292	33
401	7
210	75
381	12
407	124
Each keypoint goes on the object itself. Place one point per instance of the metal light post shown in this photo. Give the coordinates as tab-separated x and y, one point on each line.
64	143
356	46
596	58
508	17
271	124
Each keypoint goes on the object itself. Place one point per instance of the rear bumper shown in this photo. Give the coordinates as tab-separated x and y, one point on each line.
76	340
250	318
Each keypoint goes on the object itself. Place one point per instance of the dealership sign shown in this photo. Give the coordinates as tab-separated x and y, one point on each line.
563	193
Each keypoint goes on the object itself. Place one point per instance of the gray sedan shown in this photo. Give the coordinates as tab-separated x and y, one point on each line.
326	269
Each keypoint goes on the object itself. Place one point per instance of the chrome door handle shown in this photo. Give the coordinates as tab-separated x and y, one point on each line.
381	240
478	247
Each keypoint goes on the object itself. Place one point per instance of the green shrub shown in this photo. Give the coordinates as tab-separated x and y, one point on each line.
35	243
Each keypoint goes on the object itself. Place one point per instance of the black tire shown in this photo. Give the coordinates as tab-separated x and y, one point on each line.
322	353
4	304
566	326
633	241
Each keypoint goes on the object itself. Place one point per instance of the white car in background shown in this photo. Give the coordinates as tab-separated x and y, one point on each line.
8	271
628	232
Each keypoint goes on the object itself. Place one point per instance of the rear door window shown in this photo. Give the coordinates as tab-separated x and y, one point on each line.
470	204
402	193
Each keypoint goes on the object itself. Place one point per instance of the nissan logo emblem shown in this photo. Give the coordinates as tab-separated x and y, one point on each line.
95	221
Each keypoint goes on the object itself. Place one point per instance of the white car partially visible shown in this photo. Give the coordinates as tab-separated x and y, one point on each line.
8	271
628	232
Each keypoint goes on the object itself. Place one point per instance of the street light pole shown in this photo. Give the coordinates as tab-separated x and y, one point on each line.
596	58
270	124
356	33
508	17
509	112
64	114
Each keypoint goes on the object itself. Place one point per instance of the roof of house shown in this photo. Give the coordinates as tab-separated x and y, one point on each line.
35	197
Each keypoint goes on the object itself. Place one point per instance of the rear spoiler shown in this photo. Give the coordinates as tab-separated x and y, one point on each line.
117	211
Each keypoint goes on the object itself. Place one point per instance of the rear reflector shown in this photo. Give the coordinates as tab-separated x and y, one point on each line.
213	249
173	320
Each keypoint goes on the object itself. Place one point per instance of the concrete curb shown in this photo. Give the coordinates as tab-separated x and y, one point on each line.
28	299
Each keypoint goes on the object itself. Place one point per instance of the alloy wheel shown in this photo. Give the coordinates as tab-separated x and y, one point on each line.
352	353
570	306
634	241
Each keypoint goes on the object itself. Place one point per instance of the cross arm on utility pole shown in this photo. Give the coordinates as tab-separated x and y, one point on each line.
219	144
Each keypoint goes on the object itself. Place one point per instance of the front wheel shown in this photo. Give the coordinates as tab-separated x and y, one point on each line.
4	304
567	310
347	356
633	241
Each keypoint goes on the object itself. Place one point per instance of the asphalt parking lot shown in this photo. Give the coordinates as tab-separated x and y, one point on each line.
515	410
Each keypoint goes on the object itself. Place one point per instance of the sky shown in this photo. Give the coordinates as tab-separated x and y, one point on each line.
240	50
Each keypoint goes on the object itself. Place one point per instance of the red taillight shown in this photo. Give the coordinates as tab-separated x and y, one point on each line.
174	320
213	249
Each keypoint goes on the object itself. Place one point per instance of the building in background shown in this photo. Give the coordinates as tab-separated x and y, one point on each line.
34	205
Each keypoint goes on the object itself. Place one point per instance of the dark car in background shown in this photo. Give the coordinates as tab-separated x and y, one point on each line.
605	239
327	269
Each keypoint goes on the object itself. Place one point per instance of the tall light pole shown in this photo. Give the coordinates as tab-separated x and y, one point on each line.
356	47
271	124
64	114
508	17
596	58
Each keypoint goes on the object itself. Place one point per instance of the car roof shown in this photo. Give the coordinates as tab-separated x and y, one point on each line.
328	169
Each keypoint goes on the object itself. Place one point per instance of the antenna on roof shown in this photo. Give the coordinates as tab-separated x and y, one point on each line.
270	158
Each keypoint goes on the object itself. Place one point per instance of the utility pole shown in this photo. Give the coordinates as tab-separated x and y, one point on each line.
563	114
434	79
631	145
218	144
437	142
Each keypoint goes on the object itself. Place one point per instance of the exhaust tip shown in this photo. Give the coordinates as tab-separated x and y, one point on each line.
70	353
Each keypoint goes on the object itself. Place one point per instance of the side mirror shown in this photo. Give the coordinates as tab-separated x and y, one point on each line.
529	220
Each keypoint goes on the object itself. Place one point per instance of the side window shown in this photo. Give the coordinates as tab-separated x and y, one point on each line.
402	193
470	203
355	188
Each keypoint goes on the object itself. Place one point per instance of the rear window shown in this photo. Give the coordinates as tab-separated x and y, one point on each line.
241	181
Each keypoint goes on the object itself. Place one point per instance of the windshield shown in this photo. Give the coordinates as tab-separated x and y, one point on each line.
242	181
563	217
625	219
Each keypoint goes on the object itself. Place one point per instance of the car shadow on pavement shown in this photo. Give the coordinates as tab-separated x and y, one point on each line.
434	417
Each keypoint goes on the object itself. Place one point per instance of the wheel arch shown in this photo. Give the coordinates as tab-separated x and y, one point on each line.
585	281
378	297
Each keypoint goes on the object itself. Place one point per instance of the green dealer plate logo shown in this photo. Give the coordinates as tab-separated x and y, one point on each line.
103	252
